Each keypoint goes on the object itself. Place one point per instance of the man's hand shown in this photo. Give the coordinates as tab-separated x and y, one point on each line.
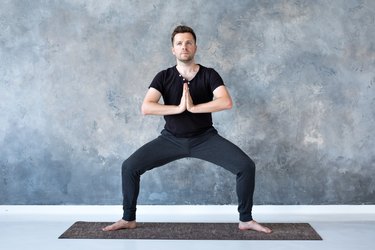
182	107
189	100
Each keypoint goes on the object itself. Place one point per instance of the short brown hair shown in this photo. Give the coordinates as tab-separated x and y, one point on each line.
183	29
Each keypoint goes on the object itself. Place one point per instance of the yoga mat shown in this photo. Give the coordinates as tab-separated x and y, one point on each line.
191	231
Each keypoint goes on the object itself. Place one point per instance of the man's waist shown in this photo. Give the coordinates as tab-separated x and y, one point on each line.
189	134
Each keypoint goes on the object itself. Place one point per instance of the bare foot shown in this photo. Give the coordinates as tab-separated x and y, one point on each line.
121	224
253	225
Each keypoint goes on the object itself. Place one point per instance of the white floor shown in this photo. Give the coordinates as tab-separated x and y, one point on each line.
38	227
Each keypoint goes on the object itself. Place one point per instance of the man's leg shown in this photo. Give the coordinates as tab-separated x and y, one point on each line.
158	152
218	150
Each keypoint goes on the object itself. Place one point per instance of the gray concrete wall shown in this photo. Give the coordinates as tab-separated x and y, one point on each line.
73	75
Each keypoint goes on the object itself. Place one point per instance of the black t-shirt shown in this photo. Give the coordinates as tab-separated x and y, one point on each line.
169	83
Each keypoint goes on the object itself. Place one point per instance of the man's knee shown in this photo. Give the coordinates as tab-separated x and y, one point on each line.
248	167
128	168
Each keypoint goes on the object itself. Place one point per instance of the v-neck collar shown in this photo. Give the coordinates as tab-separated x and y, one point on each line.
179	74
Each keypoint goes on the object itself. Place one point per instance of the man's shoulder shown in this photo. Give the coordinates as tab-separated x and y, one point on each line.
169	70
207	69
166	72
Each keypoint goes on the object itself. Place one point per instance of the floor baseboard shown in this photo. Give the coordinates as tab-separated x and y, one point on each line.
201	212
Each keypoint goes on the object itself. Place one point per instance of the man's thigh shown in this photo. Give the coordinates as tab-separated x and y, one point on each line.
155	153
221	152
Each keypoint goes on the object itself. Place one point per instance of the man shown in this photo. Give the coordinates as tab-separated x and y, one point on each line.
191	92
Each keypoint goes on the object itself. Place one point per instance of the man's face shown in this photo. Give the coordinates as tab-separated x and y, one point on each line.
184	47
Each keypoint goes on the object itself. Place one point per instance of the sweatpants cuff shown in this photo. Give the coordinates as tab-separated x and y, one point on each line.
246	217
128	216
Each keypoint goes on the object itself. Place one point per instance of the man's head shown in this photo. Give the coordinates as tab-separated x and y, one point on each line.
184	44
183	29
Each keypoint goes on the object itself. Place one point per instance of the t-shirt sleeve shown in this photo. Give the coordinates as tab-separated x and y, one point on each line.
157	82
215	79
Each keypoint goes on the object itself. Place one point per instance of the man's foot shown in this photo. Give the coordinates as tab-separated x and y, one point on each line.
253	225
121	224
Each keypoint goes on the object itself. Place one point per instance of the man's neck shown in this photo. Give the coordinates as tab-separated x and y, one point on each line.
186	68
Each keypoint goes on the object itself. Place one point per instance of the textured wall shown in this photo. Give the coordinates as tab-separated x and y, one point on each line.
73	75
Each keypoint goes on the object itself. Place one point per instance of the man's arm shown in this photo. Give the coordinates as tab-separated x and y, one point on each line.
151	105
221	101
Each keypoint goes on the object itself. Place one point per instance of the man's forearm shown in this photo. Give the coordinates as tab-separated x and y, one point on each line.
210	107
160	109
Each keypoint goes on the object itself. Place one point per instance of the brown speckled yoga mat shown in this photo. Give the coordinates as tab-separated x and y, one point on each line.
191	231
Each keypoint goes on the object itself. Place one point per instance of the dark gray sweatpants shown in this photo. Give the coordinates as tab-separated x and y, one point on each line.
209	146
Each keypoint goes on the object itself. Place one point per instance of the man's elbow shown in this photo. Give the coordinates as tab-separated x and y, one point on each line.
228	104
144	109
